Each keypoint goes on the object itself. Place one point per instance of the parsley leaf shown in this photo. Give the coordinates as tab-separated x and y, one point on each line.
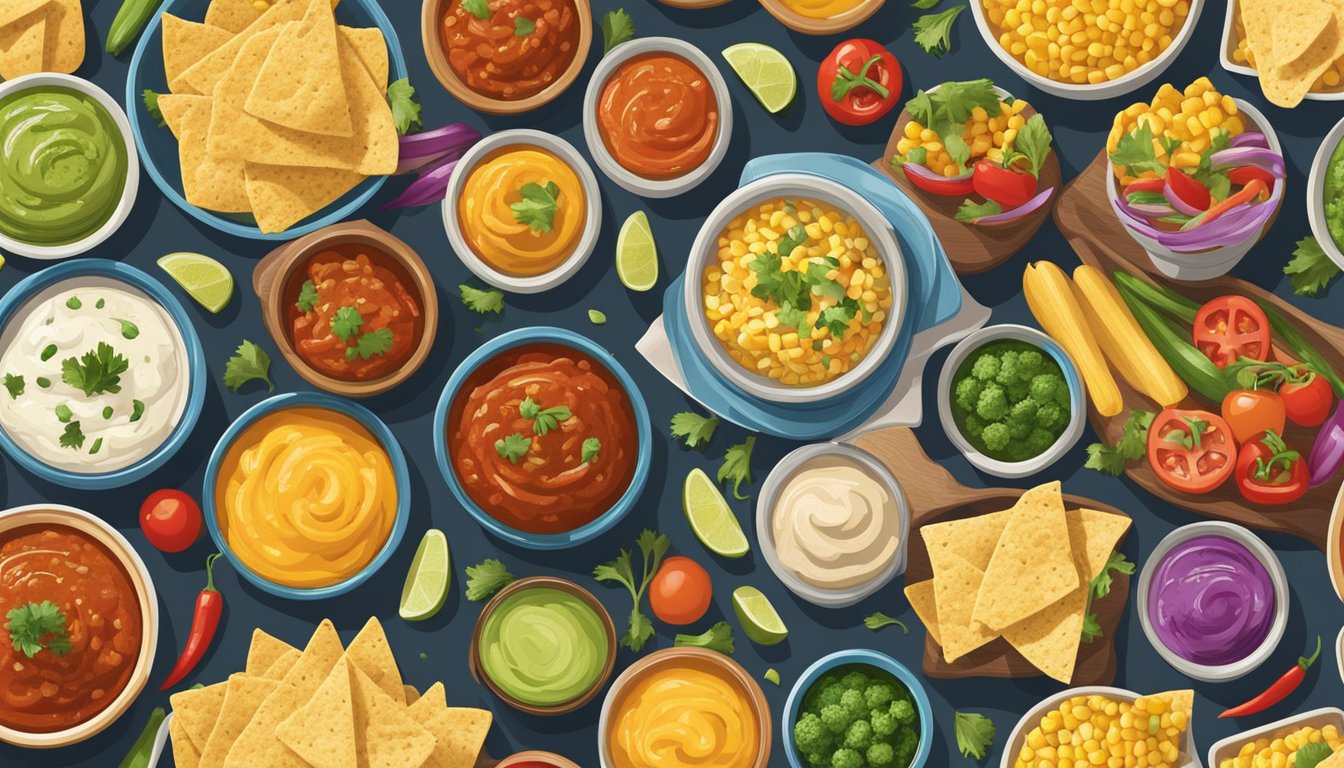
795	236
1134	151
73	436
1133	444
736	467
946	110
522	26
543	419
971	210
975	734
345	323
717	638
486	578
879	620
307	297
924	5
249	362
933	32
1310	270
376	342
617	27
97	371
513	447
482	301
405	108
14	384
35	626
151	100
538	206
478	8
590	449
836	319
1033	142
694	429
652	546
1091	628
1100	585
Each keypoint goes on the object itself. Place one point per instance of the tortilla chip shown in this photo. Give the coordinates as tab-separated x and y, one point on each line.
242	700
173	107
208	182
65	36
185	753
231	15
371	653
459	733
1334	761
1050	638
411	694
973	538
1092	537
23	46
921	597
12	11
184	44
195	711
371	47
1030	568
282	665
1288	84
322	731
1257	18
955	586
205	74
281	196
1296	26
299	85
264	649
384	731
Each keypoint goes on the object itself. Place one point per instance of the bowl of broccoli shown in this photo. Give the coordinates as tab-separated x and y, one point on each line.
1011	400
857	709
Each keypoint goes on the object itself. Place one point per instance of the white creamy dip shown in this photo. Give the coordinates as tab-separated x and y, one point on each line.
77	410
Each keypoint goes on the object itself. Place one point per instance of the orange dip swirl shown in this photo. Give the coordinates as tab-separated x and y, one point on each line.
658	116
494	60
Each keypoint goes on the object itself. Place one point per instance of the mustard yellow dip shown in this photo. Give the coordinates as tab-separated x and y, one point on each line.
685	715
822	9
306	497
510	225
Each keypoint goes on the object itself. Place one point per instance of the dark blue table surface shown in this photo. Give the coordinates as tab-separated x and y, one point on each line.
436	650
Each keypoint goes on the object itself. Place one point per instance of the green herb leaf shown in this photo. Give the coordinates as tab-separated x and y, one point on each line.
345	323
307	297
43	382
975	734
617	27
538	206
590	449
717	638
482	301
1134	151
513	447
401	98
971	210
97	443
73	303
486	578
924	5
375	342
1033	142
107	412
693	429
73	436
946	110
48	352
1100	585
543	419
1310	270
1091	628
97	371
14	384
653	546
933	32
522	27
129	330
35	626
1311	754
249	362
1132	446
879	620
478	8
736	467
63	413
151	100
137	410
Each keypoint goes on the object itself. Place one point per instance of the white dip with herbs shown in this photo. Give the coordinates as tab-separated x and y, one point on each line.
94	375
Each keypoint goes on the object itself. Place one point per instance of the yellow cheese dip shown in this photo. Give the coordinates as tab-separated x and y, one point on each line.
685	715
306	497
835	524
491	224
822	9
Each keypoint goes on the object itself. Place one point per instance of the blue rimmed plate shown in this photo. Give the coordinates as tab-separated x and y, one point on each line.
158	147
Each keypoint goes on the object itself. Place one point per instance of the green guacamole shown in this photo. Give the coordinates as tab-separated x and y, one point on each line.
1334	195
62	166
1010	400
543	646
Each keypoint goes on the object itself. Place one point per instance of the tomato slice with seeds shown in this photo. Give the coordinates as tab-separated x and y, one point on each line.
1230	328
1191	451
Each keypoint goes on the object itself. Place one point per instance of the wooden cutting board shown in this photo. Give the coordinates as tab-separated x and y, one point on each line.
935	497
1083	213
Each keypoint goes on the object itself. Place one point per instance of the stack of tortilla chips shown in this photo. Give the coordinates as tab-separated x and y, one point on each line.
1022	574
40	36
277	114
1292	43
325	707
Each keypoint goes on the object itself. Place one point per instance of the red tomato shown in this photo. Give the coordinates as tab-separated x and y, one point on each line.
1008	187
680	591
1230	328
1251	411
1240	177
960	186
1188	189
1269	473
1191	451
170	519
859	82
1307	402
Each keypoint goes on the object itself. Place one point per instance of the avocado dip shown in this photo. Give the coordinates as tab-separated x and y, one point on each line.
543	646
62	166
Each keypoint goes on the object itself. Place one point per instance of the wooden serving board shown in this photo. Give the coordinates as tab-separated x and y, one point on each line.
935	497
1083	213
971	249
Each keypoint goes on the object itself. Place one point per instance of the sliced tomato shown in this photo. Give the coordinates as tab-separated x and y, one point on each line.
1269	473
1307	402
1243	176
1188	189
1145	185
960	186
1008	187
1191	451
1230	328
1251	411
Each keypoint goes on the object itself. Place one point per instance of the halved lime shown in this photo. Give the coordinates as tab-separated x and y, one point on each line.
204	279
710	516
758	617
429	578
766	72
636	254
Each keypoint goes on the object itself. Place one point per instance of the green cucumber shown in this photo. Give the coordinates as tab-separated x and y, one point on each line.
1157	296
1195	369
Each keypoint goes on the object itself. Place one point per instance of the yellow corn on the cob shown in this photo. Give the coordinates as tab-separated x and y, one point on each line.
1122	341
1053	305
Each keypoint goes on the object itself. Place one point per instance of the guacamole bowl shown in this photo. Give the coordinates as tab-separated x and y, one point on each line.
1322	166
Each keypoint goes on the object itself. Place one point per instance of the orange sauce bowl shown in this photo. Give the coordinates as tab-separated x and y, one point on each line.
830	25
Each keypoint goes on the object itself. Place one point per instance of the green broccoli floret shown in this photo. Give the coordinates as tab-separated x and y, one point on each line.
879	695
1038	442
846	758
968	393
1018	391
859	735
854	680
810	735
1022	412
973	425
1045	386
881	755
1051	417
835	718
829	694
996	437
993	403
985	367
853	704
907	743
818	759
884	724
1007	368
1029	363
903	711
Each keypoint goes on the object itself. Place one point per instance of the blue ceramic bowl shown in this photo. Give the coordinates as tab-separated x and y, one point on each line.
643	432
860	656
158	147
366	419
196	372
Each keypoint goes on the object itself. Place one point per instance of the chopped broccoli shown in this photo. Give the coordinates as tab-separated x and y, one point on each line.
985	367
846	758
907	742
993	403
854	680
818	759
1044	387
884	723
830	693
881	755
903	711
834	717
1029	363
1007	368
854	705
1050	416
809	735
974	424
1022	412
996	436
859	735
1038	442
878	695
968	393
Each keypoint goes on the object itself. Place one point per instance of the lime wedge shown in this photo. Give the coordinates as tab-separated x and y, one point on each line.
766	73
427	583
204	279
710	516
758	617
636	254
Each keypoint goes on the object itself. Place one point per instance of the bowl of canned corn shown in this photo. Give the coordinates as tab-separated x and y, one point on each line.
1100	725
1087	49
795	288
1275	744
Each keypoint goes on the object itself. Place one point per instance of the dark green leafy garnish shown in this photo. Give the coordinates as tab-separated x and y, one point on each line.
96	372
538	206
591	447
14	384
73	436
307	296
543	419
37	626
513	447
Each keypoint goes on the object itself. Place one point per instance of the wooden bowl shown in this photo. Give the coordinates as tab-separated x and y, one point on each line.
96	529
431	12
564	585
692	5
272	278
833	25
537	756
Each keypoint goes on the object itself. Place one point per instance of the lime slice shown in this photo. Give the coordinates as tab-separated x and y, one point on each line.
710	516
766	73
636	255
427	583
758	617
204	279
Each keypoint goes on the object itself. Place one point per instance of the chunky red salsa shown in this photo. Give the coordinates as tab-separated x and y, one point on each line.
510	49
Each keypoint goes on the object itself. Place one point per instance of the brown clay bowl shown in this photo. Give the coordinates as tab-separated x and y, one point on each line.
273	278
692	5
537	756
564	585
431	12
833	25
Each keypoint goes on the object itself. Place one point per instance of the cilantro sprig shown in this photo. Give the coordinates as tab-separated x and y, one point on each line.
482	301
347	324
34	627
486	578
1100	587
1310	270
736	467
1133	443
249	362
617	27
693	429
96	371
307	298
975	734
652	546
933	31
543	419
879	620
538	206
513	447
717	638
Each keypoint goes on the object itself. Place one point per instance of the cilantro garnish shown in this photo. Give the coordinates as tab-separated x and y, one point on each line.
1131	447
73	303
151	100
14	384
523	26
376	342
487	578
129	330
879	620
694	429
1100	587
652	547
64	414
971	210
974	732
538	206
513	447
717	638
617	27
1134	152
248	362
73	436
345	323
482	301
401	98
137	410
35	626
933	32
478	8
736	467
1033	143
1310	270
543	419
48	352
590	449
307	296
97	443
97	371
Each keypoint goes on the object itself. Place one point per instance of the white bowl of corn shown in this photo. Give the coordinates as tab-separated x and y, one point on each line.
1273	744
1096	697
806	325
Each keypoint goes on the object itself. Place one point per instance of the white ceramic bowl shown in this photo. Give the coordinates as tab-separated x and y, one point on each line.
1109	89
1334	556
1228	45
1320	165
1077	400
1267	558
775	482
1339	653
1317	718
128	191
1215	262
633	182
524	137
705	248
1013	746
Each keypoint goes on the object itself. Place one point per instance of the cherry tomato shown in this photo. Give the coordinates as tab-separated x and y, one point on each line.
959	186
1230	328
1269	473
859	82
1251	411
1008	187
1188	189
170	519
680	591
1191	451
1307	402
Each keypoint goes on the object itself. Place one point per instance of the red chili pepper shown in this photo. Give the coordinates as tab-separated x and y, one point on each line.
1280	689
204	622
